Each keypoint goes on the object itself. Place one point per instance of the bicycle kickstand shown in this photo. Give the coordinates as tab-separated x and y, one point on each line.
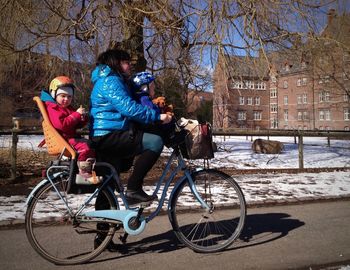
123	238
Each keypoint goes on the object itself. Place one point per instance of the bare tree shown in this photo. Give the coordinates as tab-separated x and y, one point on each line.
181	35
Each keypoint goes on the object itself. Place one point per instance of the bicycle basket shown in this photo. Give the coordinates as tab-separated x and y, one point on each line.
198	143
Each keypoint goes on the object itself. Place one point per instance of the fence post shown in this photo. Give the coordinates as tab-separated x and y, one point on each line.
13	169
328	140
301	151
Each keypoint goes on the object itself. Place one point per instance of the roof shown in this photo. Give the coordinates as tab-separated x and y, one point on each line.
338	27
247	67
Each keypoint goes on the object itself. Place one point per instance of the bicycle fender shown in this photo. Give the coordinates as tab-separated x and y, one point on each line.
42	182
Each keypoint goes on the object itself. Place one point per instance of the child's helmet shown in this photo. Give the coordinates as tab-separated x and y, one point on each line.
60	81
142	78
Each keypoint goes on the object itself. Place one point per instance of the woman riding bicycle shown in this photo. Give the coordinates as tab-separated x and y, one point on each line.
113	111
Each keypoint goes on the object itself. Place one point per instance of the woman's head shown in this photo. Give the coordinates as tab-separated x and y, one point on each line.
118	60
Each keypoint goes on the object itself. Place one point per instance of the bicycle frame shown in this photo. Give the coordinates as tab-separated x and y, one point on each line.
125	215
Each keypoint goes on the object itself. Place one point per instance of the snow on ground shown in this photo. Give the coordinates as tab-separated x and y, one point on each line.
235	152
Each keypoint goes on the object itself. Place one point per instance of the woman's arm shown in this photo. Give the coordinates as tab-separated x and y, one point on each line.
118	95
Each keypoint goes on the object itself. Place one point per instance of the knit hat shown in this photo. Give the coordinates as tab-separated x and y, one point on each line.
63	90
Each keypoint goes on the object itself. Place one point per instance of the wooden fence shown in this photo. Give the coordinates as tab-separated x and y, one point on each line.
297	134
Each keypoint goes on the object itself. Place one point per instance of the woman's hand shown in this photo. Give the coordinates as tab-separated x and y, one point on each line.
165	118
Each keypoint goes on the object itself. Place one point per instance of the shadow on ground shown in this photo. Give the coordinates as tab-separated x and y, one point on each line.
259	229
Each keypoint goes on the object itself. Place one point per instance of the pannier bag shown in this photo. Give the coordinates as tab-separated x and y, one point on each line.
198	143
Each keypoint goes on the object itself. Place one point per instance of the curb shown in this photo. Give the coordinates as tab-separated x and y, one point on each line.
19	223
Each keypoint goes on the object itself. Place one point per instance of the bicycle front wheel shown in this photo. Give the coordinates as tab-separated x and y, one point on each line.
56	232
213	229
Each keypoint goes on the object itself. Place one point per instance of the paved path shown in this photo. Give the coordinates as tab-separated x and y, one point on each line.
304	236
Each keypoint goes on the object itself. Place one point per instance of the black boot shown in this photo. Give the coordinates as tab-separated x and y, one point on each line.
142	166
138	196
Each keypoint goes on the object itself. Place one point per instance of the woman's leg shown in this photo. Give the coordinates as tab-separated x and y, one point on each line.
152	146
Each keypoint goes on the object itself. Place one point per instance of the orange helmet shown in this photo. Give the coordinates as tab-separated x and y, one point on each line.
58	82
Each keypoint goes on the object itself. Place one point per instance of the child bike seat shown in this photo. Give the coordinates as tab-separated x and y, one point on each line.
56	144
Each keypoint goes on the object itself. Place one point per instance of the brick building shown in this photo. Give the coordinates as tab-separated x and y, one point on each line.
241	93
305	88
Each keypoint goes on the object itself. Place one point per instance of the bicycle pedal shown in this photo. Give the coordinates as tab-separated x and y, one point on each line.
145	204
140	204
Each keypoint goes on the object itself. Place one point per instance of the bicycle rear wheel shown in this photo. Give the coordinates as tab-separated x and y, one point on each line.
208	230
59	236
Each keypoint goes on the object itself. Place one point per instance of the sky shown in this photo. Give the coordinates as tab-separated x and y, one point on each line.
235	152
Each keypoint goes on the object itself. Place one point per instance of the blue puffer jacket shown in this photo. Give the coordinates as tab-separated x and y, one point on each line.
112	106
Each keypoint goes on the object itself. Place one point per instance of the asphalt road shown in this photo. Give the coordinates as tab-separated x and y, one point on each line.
304	236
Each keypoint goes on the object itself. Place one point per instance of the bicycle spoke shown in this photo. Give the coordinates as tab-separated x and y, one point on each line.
59	237
217	227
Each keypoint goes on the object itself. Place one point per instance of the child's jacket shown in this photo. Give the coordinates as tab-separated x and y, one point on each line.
65	120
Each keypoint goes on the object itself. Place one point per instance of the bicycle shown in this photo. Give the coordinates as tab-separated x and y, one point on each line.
206	209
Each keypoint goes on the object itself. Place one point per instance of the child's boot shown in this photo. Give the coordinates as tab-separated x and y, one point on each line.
86	175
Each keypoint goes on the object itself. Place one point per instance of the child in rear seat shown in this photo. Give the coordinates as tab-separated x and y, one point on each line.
67	120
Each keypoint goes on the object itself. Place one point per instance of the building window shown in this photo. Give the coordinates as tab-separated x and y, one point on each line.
241	100
285	115
274	108
242	115
300	116
304	81
273	92
347	114
299	99
257	115
274	123
305	115
299	82
257	100
250	85
245	84
345	76
325	115
261	86
321	128
285	84
346	97
273	78
285	100
238	85
305	98
321	115
250	101
324	79
346	128
324	96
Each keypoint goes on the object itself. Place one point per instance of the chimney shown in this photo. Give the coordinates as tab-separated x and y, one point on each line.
330	16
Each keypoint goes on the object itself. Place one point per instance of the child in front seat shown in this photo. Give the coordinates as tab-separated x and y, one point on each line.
143	88
66	120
